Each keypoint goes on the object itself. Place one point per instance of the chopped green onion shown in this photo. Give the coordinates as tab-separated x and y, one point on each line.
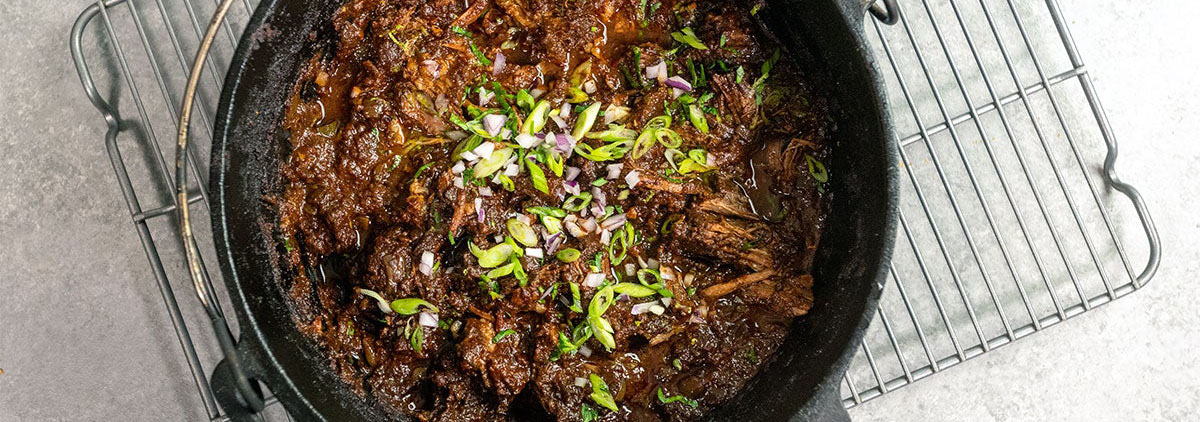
577	202
633	290
587	413
696	116
501	271
610	152
522	232
485	168
494	256
519	272
417	338
568	255
599	182
554	162
383	303
664	399
410	306
601	328
461	31
524	100
677	364
614	133
553	224
536	119
576	95
537	176
501	335
668	138
576	304
687	36
601	394
585	121
328	130
547	211
483	60
817	169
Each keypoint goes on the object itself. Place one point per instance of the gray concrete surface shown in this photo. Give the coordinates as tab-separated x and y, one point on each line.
83	335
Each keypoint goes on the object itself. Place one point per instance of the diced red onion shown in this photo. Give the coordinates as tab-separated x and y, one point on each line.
597	210
469	156
485	191
527	141
553	242
658	71
505	133
563	300
605	237
630	269
652	263
534	252
623	297
458	182
614	170
484	151
562	124
432	66
458	167
589	87
571	173
678	82
611	223
536	92
498	64
427	319
524	219
571	186
688	278
492	123
539	135
497	238
580	381
599	198
642	308
657	309
485	96
564	111
571	223
512	170
698	315
589	224
456	135
666	301
564	142
479	209
632	178
426	266
593	280
585	351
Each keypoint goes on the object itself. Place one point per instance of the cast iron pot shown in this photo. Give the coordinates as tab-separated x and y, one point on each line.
801	383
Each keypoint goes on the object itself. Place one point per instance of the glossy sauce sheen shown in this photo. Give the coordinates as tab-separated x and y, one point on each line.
374	105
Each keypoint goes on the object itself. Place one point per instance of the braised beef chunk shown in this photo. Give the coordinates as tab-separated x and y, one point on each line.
552	210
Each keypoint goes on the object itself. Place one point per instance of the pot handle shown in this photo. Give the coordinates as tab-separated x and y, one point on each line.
887	11
826	405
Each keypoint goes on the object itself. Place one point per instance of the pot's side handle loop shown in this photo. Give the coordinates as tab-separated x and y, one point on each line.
887	11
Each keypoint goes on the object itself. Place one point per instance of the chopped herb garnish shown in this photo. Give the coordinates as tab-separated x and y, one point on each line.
687	36
568	255
483	60
601	394
501	335
677	364
587	413
410	306
721	42
461	32
817	169
547	211
664	399
754	10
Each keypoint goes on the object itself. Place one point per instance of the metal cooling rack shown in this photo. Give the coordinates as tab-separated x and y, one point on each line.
1012	217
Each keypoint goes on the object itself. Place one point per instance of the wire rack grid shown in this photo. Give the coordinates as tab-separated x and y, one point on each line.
1012	218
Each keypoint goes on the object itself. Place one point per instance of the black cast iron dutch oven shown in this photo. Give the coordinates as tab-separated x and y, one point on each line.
802	383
